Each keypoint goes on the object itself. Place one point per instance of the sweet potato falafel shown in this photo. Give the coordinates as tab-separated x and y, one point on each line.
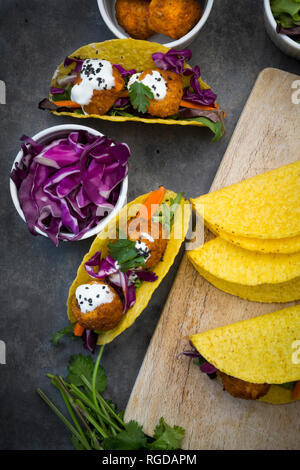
174	18
97	306
151	239
103	100
242	389
167	91
133	15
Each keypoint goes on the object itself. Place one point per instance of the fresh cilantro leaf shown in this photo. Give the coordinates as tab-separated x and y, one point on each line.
215	127
132	438
124	252
84	365
140	95
166	437
56	337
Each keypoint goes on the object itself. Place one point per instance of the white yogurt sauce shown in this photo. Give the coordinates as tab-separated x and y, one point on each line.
142	249
96	75
147	236
154	81
91	296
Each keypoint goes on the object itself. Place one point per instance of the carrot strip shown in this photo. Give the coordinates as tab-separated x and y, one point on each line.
151	203
68	104
187	104
78	330
296	391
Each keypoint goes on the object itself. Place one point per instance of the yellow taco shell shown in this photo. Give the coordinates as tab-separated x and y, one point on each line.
276	245
145	291
266	206
131	54
259	350
252	276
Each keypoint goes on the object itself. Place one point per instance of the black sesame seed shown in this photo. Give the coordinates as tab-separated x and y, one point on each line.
103	287
98	296
87	287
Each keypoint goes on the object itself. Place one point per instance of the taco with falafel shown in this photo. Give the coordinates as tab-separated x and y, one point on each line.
126	263
256	359
133	80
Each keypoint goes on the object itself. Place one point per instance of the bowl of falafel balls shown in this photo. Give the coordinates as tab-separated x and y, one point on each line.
173	23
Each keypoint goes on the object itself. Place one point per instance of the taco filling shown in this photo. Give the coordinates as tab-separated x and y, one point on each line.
95	86
256	359
100	304
240	388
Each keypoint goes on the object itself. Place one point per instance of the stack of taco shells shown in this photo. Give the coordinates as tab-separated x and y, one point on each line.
256	252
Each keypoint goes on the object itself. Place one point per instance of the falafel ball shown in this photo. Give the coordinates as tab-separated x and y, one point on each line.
170	83
103	100
174	18
150	237
241	389
133	15
97	306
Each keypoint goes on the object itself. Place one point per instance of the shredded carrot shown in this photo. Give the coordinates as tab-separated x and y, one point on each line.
78	330
296	391
151	203
68	104
187	104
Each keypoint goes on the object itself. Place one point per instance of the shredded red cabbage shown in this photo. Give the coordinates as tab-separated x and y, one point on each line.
90	340
125	73
174	61
107	268
56	91
67	186
71	60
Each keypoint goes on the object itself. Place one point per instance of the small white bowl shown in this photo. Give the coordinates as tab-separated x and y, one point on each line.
107	10
283	42
44	137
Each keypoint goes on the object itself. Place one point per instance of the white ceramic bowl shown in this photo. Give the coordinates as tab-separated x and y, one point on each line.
107	10
283	42
44	137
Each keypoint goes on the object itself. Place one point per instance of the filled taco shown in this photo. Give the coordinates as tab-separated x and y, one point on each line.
133	80
256	359
126	263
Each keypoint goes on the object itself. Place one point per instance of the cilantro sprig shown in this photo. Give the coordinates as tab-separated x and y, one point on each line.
140	96
125	253
94	422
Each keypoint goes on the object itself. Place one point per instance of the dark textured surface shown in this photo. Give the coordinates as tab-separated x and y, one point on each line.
35	36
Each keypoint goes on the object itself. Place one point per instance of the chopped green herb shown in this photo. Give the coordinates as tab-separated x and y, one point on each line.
124	252
140	95
56	337
166	437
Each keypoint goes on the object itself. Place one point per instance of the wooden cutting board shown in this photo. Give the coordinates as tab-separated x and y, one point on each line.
266	137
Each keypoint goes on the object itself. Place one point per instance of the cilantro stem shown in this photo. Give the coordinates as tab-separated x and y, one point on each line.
95	372
107	418
63	418
91	419
72	414
112	412
78	411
